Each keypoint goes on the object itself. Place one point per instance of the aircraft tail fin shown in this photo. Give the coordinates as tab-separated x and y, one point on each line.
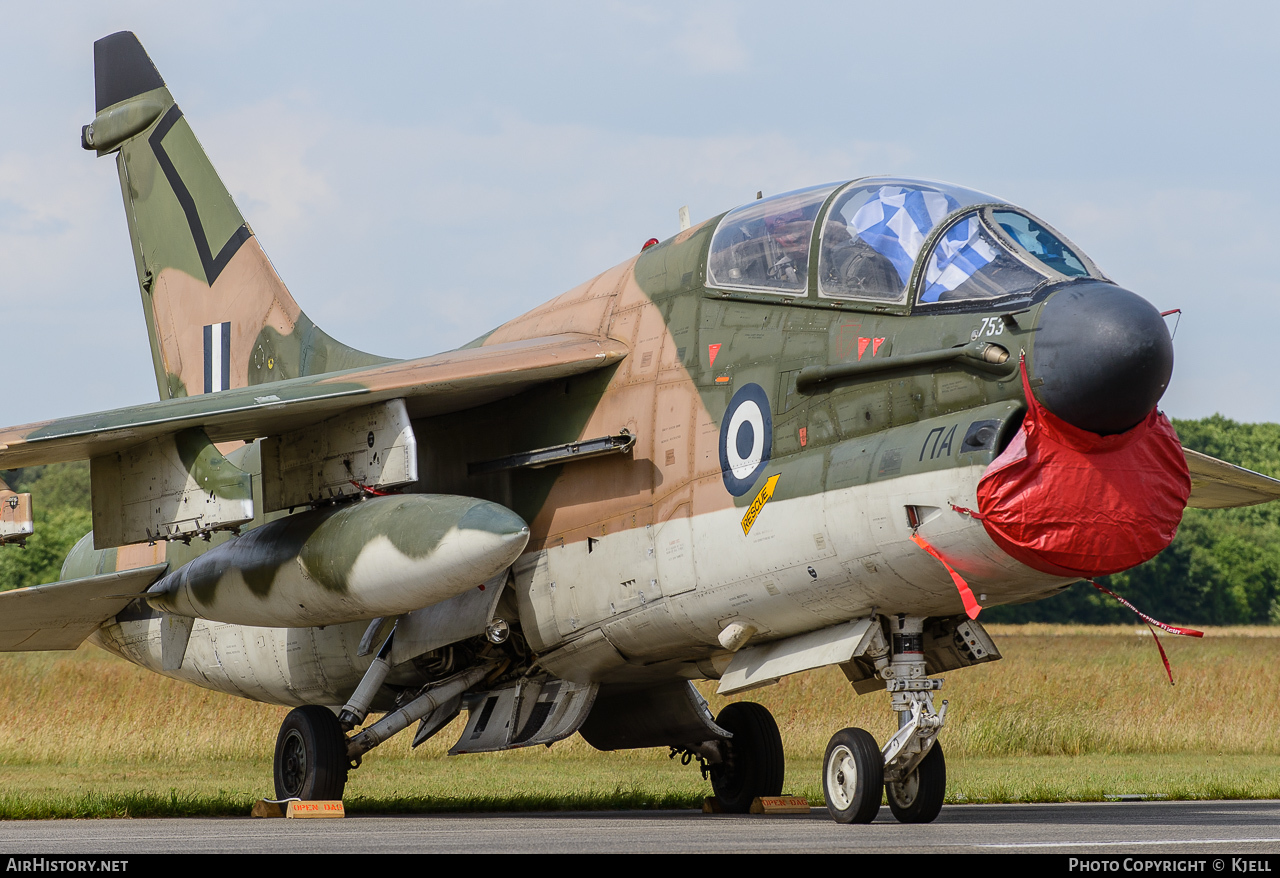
217	313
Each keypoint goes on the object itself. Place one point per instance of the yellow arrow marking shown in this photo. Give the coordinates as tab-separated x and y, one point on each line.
753	511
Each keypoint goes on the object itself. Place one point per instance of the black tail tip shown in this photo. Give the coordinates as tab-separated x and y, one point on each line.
121	69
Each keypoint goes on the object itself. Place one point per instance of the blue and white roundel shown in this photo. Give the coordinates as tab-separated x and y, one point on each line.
746	439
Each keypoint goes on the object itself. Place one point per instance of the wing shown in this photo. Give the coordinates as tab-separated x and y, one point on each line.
1216	484
62	615
435	385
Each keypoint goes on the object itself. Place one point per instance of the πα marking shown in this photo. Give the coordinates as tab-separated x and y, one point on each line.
941	437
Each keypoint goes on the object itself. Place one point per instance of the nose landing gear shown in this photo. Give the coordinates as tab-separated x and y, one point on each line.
911	766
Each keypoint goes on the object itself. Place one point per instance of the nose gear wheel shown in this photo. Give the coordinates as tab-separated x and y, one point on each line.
852	776
918	797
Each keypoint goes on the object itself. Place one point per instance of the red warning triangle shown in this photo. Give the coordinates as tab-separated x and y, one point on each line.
713	349
875	345
862	346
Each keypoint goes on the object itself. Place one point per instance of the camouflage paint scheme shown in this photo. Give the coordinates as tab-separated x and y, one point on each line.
382	557
670	565
635	562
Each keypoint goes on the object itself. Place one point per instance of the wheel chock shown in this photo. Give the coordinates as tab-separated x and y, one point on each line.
779	805
267	808
299	810
763	805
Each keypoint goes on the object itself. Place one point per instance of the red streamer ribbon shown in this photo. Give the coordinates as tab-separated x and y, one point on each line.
971	606
1172	629
374	491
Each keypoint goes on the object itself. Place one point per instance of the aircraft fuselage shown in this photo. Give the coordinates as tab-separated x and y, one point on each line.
647	556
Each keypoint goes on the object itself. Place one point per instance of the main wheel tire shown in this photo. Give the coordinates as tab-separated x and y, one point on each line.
852	776
754	760
311	755
918	798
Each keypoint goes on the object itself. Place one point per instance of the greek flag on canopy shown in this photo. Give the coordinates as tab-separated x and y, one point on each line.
957	255
897	219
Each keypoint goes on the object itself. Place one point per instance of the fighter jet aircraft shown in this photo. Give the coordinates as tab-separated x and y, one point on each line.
823	428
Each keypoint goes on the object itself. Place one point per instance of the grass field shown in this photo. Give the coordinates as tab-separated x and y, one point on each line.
1070	713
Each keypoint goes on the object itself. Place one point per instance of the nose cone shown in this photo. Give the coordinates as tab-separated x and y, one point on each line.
497	520
1104	355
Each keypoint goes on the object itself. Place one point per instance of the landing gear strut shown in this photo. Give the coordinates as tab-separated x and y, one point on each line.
313	753
910	766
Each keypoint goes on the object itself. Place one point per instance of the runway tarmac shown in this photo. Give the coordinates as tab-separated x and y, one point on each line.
1145	829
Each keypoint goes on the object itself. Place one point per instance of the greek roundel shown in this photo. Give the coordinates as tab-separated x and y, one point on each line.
746	439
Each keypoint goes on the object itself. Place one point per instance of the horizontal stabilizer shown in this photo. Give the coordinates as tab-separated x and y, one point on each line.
435	385
61	615
1216	484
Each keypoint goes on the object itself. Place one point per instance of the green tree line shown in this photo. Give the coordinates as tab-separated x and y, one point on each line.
1222	569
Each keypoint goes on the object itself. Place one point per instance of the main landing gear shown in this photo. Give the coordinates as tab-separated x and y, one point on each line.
753	763
911	766
311	755
313	751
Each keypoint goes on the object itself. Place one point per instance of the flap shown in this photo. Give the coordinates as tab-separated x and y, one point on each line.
1216	484
61	615
435	385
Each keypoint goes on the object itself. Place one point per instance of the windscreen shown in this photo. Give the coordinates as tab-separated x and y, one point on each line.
1040	243
968	262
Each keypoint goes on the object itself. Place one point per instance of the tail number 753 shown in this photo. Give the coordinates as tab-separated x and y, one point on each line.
990	326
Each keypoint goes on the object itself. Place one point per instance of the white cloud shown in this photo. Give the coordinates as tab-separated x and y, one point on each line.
706	38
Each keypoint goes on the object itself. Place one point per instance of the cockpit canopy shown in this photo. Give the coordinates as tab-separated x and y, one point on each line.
883	239
765	245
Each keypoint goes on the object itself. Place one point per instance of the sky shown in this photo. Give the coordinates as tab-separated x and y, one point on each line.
420	173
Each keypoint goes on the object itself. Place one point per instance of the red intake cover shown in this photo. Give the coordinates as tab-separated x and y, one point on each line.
1069	502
